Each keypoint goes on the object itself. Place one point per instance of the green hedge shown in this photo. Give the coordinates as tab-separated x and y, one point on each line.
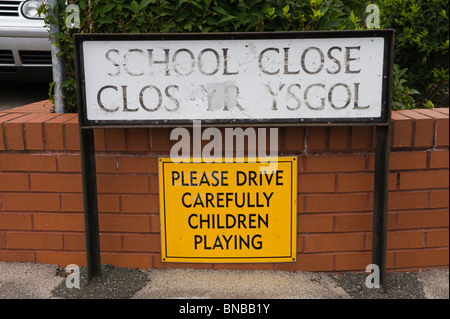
421	50
149	16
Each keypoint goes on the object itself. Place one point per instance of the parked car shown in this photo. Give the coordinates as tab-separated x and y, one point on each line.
25	51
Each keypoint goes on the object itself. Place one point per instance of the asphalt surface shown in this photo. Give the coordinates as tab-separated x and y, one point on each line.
43	281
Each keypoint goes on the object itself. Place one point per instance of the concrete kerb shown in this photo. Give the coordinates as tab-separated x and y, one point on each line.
27	280
39	281
435	283
240	284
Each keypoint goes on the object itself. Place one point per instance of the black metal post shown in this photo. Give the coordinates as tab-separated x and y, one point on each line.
91	223
380	201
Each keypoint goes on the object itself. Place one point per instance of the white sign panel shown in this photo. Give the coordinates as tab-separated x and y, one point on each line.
291	80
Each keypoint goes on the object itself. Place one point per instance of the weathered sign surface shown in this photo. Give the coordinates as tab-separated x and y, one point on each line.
288	78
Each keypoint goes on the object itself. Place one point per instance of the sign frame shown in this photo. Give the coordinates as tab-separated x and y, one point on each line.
383	119
381	124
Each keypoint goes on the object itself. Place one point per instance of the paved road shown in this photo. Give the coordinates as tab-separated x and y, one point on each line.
18	93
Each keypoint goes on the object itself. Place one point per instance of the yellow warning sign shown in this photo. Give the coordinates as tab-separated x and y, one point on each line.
228	212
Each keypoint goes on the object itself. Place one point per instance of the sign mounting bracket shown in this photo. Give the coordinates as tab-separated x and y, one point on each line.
353	94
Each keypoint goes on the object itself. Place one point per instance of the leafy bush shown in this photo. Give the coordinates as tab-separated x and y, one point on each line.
421	48
421	31
402	95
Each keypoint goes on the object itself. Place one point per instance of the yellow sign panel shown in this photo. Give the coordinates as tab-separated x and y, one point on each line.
228	212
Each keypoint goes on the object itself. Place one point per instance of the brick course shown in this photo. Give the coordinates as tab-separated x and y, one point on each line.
41	201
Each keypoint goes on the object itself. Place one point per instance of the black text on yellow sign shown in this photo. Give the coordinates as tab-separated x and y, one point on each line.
228	212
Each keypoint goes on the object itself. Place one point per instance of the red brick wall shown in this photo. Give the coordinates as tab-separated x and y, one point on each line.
41	200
